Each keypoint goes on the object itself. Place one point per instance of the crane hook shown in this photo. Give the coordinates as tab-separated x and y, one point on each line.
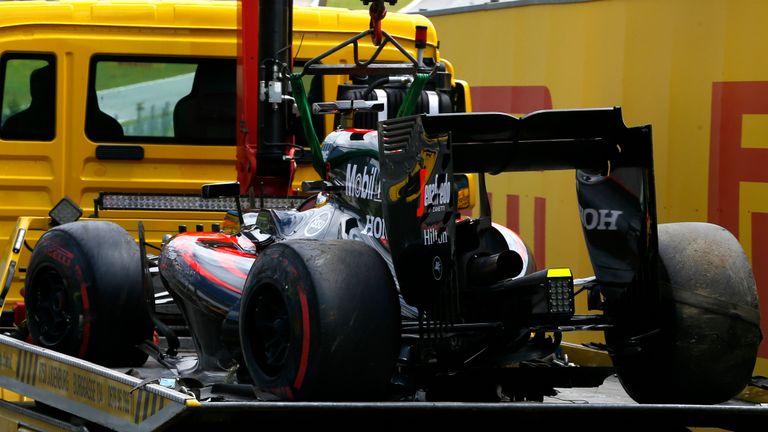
377	11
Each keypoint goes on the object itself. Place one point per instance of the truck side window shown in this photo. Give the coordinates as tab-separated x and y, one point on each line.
161	100
28	97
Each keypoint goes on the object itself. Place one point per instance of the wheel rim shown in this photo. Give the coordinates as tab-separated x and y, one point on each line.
53	309
271	331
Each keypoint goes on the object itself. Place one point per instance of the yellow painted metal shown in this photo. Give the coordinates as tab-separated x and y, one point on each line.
194	403
467	196
661	61
23	418
95	393
584	356
26	231
10	260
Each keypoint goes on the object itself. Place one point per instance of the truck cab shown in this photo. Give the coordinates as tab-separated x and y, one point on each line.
129	97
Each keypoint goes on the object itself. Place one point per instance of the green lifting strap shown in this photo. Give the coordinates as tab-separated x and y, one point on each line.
413	95
406	109
306	122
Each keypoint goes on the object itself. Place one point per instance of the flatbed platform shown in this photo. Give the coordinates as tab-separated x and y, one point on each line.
70	393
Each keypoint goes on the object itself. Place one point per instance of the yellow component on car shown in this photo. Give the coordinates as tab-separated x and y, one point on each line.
559	272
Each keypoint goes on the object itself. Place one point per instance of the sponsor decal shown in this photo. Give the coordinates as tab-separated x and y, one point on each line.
437	268
119	401
434	236
54	376
86	387
374	227
317	224
600	219
436	195
61	255
363	184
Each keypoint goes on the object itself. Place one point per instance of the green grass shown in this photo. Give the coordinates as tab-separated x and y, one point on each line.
110	74
16	89
118	74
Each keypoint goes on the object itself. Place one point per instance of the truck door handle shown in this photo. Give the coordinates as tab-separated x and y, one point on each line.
119	152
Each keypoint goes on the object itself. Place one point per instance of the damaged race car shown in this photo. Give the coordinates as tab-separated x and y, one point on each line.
377	288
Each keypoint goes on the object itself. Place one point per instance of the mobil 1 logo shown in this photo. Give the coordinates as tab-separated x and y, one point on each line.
365	183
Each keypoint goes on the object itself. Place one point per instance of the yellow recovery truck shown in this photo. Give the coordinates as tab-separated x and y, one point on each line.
336	282
117	70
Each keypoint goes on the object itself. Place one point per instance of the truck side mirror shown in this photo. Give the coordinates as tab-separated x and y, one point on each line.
226	189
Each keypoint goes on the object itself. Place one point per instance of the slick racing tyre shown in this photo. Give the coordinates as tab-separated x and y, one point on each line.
83	293
320	320
706	346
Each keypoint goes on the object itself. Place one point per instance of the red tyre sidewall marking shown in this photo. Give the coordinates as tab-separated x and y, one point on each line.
86	312
304	359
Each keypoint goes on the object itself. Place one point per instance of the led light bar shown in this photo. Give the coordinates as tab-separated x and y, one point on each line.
138	201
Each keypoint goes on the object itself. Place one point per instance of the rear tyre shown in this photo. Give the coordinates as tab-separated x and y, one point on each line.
709	333
319	320
83	293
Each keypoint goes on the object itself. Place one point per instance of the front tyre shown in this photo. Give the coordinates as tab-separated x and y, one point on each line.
709	319
319	320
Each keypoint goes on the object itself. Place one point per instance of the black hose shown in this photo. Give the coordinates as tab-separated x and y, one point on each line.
372	86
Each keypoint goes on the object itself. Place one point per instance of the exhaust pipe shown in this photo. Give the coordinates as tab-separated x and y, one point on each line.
488	269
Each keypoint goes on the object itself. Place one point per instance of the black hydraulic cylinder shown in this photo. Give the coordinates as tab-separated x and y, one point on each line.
275	38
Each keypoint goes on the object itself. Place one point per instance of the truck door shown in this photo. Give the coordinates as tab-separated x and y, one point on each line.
157	124
31	156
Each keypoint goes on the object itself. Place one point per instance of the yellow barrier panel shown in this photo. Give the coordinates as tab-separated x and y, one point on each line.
693	69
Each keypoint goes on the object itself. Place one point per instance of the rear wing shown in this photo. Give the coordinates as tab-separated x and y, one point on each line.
594	139
614	186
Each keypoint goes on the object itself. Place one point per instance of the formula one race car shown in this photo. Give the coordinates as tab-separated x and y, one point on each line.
377	288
